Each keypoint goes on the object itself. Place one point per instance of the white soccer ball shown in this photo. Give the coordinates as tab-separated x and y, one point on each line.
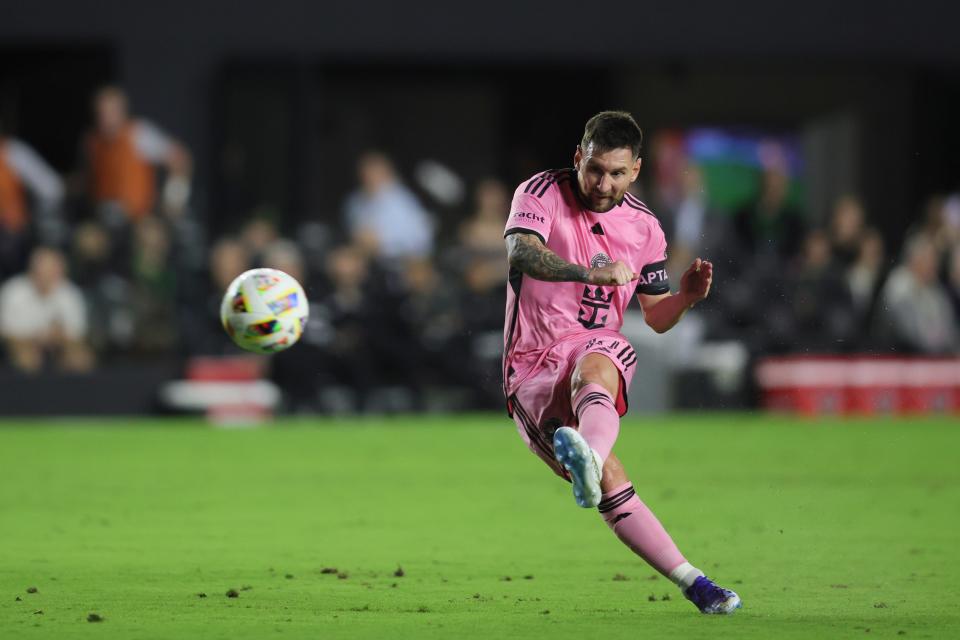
264	310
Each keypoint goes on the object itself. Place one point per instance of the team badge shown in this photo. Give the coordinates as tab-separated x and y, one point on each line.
600	260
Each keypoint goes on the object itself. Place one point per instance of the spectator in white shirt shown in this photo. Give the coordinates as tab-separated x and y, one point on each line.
384	217
43	317
915	306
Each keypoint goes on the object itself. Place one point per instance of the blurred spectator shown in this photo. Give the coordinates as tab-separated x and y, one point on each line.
383	216
228	259
299	371
482	232
821	305
953	278
847	229
916	312
30	195
669	160
483	257
121	155
430	307
98	273
694	228
90	253
258	234
43	317
202	331
153	288
469	352
865	278
286	256
770	227
937	225
691	212
480	318
951	219
349	312
481	248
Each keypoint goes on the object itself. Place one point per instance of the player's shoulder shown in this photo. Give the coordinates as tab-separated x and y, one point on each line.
545	182
641	213
633	204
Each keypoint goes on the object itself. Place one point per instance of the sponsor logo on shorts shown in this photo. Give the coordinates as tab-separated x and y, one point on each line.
624	352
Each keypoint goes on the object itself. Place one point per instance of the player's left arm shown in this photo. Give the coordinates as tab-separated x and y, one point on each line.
663	311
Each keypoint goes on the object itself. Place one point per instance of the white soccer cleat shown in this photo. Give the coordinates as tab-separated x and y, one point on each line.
583	463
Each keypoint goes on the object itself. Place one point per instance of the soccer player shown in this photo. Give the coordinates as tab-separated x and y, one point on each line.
580	247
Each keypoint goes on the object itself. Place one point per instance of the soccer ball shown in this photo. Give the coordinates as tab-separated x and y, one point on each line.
264	310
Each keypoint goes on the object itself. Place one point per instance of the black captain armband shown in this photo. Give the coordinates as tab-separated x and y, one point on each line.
653	279
513	230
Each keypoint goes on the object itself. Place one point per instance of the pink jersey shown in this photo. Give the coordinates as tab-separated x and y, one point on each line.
540	314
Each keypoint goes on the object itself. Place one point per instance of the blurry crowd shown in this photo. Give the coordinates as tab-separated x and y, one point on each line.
102	266
86	259
395	316
99	267
785	285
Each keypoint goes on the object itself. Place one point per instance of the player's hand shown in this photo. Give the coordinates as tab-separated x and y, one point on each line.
695	282
615	273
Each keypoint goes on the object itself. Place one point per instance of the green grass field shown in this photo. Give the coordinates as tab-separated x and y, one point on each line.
827	530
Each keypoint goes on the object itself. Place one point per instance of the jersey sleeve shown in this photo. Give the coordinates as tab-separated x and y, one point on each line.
530	212
653	279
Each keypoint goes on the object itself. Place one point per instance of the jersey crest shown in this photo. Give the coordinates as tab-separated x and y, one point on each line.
600	260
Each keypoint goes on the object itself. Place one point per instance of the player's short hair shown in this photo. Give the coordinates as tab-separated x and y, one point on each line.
610	130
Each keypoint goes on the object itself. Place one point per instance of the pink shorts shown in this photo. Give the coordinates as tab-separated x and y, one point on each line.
542	402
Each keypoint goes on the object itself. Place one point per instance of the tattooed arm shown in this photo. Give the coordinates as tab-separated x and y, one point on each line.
528	255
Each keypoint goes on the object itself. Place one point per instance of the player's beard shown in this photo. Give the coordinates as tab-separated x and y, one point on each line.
595	202
602	204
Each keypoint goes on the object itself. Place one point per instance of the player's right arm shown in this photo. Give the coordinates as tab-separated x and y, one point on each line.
532	212
527	254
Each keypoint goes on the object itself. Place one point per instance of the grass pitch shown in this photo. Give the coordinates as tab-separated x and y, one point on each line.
827	529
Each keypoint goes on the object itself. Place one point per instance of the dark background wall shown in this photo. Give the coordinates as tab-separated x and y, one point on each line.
889	69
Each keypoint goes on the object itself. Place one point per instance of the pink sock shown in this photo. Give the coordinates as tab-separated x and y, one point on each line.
639	529
599	421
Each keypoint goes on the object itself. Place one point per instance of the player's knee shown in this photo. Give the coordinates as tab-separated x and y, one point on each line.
614	475
595	369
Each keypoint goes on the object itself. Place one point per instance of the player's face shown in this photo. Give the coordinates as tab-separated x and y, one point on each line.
605	176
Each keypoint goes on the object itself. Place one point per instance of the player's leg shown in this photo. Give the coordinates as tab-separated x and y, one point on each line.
594	387
640	530
535	404
637	527
594	384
